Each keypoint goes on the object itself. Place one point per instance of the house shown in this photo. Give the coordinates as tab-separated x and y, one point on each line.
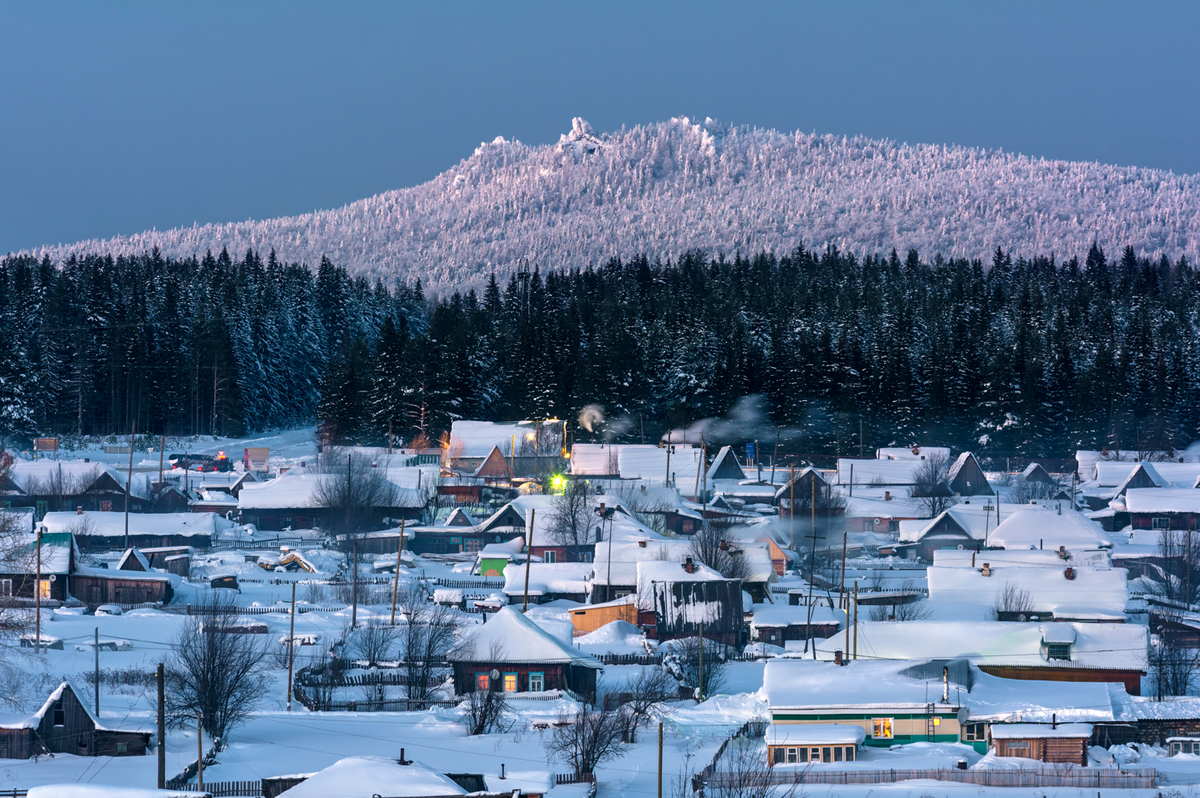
19	565
671	465
853	472
291	500
98	531
886	701
65	725
600	459
801	488
367	776
878	510
800	744
912	453
511	653
588	619
1035	472
472	441
1048	526
503	525
133	560
495	557
1162	508
1060	743
60	485
966	477
96	586
1059	652
548	582
670	511
685	595
777	624
494	468
963	526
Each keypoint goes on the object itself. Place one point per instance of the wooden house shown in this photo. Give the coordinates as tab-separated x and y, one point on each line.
807	483
1061	743
105	531
511	653
801	744
780	623
133	560
725	467
685	594
1163	508
966	477
949	530
51	486
545	582
19	565
65	725
96	586
494	467
588	619
1035	472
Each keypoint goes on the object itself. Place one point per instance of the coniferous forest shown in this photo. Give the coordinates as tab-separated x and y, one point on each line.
1007	357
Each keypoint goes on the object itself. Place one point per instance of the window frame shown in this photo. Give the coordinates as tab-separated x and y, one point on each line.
483	681
883	728
1160	522
1059	652
516	682
777	755
540	676
792	756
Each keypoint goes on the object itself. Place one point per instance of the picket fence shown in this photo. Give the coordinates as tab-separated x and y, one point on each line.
1094	778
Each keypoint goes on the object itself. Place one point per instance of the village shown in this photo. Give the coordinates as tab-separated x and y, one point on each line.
518	612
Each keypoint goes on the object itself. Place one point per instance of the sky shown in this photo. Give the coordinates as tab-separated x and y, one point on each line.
119	117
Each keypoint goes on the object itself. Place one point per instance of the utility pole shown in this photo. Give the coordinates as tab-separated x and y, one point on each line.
667	478
792	507
199	752
528	558
842	587
162	444
775	455
856	619
700	670
354	588
291	647
396	581
37	597
351	532
96	645
660	757
129	481
162	732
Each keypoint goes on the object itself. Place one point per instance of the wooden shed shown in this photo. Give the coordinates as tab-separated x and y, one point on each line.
65	725
1062	743
966	477
96	586
588	619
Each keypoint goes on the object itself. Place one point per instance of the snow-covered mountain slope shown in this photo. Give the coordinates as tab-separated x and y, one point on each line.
665	188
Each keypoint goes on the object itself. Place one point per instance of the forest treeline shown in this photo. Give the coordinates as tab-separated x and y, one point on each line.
1012	357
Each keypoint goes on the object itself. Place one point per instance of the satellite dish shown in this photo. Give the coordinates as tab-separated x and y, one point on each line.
876	522
495	673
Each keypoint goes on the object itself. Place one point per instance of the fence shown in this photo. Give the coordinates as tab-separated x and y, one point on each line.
468	584
1095	778
574	778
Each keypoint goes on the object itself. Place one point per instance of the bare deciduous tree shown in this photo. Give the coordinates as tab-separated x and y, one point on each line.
1023	491
1011	599
714	546
1172	670
918	610
352	490
428	634
684	662
486	712
571	516
930	486
649	690
587	739
744	772
1178	576
374	641
213	670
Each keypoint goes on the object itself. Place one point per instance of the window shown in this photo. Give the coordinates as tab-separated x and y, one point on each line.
868	525
1160	522
850	753
44	588
837	753
973	732
42	509
106	507
882	728
1018	745
825	755
816	754
777	756
122	748
585	556
537	681
510	682
1058	651
482	681
550	556
791	756
60	714
5	587
893	525
803	754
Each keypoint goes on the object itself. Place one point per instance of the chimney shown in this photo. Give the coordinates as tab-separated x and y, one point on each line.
887	495
687	565
79	510
502	770
402	762
724	545
986	570
917	450
641	544
837	657
1069	573
1053	720
1062	552
945	685
1060	508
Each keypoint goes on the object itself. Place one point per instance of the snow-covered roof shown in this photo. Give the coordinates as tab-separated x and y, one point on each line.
33	720
805	683
650	462
1045	527
815	734
509	636
1097	645
21	557
878	472
1028	731
906	452
997	699
1141	468
727	461
112	524
870	502
35	476
298	488
545	578
478	438
955	558
365	776
133	554
504	550
1094	593
459	517
971	516
600	459
627	554
957	465
777	615
1162	500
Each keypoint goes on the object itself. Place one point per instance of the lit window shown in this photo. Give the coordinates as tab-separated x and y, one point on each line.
482	681
106	507
510	682
882	728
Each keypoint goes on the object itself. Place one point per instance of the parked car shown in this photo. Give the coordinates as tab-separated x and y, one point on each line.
109	609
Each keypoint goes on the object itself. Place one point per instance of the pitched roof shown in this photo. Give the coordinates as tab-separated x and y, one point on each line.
365	776
509	636
725	466
1147	471
1040	527
1093	593
133	560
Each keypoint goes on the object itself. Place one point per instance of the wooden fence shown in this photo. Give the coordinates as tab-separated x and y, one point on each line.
1087	778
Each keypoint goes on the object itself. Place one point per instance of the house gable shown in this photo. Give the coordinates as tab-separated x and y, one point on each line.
966	478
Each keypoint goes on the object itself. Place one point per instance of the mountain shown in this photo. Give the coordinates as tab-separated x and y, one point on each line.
666	188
